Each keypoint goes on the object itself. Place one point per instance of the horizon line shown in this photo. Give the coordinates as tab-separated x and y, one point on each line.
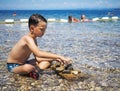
67	9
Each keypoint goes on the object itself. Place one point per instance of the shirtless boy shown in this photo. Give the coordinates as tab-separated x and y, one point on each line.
17	61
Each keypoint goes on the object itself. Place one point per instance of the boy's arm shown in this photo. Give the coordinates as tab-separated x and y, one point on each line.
43	54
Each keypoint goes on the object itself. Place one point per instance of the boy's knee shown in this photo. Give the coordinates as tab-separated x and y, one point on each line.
44	64
28	68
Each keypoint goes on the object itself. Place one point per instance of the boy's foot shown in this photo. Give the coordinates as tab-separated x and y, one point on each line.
34	75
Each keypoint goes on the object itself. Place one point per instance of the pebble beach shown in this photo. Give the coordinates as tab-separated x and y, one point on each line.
93	46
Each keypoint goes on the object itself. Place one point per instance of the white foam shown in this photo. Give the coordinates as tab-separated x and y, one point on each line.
115	18
105	18
95	19
60	20
9	20
23	20
51	19
63	20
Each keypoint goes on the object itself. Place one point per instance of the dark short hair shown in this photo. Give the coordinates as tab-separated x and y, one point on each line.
35	19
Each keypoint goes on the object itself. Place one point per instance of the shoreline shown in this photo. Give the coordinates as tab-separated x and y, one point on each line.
96	19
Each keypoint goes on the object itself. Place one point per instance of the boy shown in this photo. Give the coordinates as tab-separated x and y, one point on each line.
17	59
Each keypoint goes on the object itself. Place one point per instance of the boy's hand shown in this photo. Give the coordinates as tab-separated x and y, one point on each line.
66	60
59	60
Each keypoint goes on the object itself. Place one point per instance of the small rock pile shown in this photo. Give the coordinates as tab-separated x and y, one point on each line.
67	71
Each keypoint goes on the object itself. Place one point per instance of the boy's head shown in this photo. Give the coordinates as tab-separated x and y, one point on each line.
35	19
37	24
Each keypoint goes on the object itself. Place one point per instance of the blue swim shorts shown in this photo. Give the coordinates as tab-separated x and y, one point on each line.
10	66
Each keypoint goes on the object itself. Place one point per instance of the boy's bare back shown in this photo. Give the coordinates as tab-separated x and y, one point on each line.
21	51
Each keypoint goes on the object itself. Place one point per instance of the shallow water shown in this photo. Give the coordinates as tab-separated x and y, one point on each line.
94	46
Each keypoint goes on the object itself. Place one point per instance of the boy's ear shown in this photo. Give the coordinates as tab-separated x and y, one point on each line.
31	28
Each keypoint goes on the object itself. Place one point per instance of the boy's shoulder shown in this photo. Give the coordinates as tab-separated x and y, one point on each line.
28	39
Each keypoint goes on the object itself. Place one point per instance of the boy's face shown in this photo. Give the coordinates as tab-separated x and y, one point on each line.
39	30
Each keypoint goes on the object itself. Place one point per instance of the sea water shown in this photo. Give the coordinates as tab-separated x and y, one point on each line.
94	47
58	14
91	43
